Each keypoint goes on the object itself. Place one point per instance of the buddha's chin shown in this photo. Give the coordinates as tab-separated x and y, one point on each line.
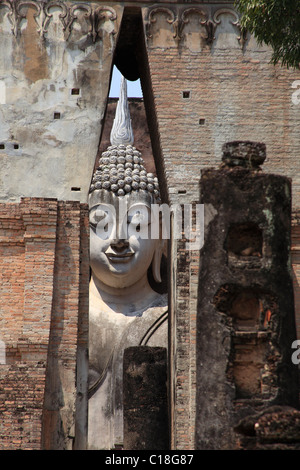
118	278
120	269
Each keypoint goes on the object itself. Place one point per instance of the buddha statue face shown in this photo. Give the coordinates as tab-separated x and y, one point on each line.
122	245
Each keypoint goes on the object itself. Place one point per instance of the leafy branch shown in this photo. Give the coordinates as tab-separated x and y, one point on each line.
275	23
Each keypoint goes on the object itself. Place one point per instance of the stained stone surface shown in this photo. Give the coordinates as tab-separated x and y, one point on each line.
246	319
244	153
145	398
52	107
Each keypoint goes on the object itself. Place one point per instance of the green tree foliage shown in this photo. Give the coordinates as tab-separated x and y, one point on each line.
277	24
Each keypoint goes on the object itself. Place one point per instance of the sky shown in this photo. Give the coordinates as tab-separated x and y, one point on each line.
133	88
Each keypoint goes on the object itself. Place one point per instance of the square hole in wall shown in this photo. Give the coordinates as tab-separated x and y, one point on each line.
185	94
201	121
56	115
2	146
244	240
16	146
75	91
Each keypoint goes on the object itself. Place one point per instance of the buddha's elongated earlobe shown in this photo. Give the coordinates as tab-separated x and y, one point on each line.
156	262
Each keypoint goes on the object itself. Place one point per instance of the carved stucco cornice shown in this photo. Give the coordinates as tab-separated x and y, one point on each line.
210	17
95	15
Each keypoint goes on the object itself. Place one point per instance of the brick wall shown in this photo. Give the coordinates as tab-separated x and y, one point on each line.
182	341
235	93
44	310
296	265
21	401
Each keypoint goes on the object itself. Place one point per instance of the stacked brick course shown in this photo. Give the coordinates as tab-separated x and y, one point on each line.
21	402
295	253
44	310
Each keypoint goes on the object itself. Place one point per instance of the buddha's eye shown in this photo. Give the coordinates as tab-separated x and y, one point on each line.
101	216
139	217
138	220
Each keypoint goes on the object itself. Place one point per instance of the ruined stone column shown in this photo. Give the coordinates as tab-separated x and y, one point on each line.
145	398
246	320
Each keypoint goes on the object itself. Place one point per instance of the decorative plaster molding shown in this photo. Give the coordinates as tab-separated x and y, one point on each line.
225	11
180	19
243	34
190	11
49	16
16	15
171	19
177	21
96	15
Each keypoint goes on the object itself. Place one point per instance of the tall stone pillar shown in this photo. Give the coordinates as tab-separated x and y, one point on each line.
245	323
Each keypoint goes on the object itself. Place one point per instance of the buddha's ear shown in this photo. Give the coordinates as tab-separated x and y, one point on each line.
156	262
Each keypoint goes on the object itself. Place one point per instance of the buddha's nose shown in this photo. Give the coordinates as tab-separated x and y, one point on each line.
119	244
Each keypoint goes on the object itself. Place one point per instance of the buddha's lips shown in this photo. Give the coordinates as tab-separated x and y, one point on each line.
120	256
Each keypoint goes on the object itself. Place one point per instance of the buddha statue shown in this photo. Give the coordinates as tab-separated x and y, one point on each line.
124	309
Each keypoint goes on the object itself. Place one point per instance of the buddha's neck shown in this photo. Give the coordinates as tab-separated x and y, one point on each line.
126	300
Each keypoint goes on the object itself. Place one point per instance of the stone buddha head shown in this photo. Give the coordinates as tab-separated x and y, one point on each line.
122	245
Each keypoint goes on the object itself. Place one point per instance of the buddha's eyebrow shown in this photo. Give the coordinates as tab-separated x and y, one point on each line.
101	206
139	205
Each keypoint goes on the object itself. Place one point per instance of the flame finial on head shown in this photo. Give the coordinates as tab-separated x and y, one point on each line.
121	132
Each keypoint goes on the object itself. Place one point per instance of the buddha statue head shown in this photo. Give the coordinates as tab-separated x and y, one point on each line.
120	200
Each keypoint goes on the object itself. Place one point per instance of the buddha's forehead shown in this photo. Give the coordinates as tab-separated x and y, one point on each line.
103	197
